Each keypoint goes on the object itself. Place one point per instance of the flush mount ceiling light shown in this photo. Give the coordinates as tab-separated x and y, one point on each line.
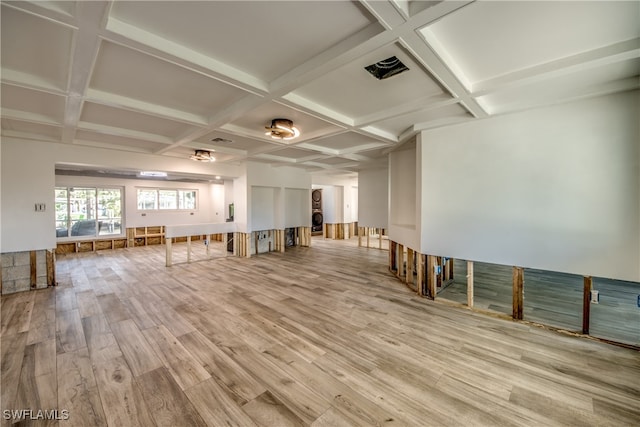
203	156
386	68
282	129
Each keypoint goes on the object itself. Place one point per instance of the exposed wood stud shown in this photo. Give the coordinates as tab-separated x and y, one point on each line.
409	271
470	283
518	292
34	273
393	247
586	303
400	271
420	273
432	276
51	268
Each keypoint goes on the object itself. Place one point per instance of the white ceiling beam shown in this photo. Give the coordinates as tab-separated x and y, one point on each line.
29	81
91	19
317	110
8	133
608	88
29	117
407	34
39	9
387	13
167	50
119	101
218	120
364	41
431	102
606	55
125	133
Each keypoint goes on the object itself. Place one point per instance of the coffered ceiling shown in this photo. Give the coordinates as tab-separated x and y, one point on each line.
169	77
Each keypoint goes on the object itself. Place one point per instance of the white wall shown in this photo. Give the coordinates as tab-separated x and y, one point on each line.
338	196
263	206
280	181
404	197
297	201
209	209
228	196
555	188
373	198
28	177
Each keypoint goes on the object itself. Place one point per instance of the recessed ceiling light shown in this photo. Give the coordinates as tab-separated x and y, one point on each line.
217	176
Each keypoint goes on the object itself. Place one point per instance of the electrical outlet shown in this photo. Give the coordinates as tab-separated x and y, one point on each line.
40	207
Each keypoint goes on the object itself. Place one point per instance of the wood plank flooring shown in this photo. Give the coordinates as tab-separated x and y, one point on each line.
319	336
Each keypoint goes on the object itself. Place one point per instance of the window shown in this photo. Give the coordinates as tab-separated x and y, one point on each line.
166	199
88	211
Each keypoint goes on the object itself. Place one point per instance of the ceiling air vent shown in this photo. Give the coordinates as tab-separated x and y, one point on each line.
386	68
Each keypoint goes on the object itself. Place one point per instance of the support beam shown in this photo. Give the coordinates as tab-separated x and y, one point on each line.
586	304
518	292
470	284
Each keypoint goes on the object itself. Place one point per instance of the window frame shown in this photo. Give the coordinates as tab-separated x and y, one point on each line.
157	206
95	216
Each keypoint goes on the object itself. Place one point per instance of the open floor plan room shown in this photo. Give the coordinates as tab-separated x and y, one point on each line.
321	336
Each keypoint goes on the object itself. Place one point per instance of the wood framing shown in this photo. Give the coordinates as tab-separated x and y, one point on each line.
586	303
409	271
470	284
51	268
34	269
432	276
400	270
393	247
420	273
518	292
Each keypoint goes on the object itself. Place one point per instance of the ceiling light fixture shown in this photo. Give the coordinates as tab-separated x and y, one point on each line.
282	129
203	156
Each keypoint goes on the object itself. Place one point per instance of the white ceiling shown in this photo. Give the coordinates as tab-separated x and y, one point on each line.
168	77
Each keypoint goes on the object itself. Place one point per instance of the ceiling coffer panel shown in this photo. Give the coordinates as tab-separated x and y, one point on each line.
155	81
35	51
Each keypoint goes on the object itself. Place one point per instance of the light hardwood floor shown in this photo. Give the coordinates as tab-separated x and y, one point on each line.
321	336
